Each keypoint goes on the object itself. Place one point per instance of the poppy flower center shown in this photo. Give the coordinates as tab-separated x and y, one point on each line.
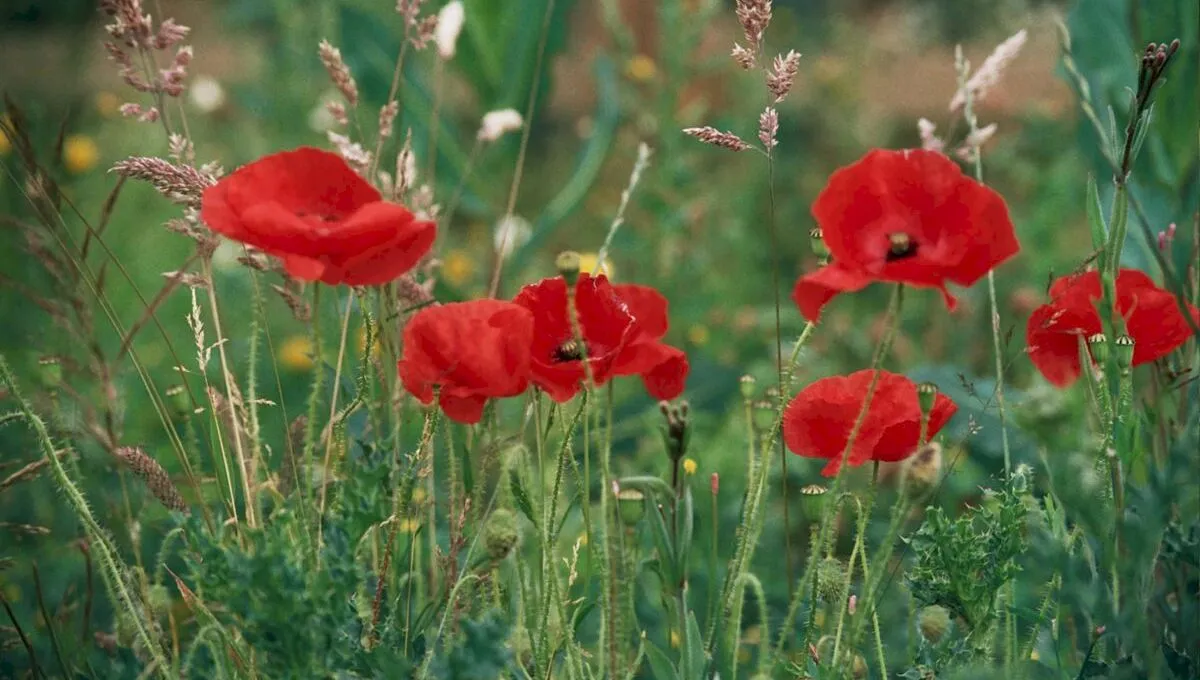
319	217
900	246
569	350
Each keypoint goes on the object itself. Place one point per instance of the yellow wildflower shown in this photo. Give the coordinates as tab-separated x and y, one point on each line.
457	267
698	334
689	466
675	638
107	104
1034	656
582	539
418	495
409	526
641	68
295	353
80	153
588	262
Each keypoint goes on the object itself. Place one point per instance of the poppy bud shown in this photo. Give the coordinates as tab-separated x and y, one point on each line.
1124	345
501	534
926	397
818	243
567	264
50	372
859	667
1098	344
631	506
746	384
812	500
933	621
922	470
831	579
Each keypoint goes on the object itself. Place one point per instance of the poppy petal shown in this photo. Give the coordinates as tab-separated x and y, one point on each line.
814	290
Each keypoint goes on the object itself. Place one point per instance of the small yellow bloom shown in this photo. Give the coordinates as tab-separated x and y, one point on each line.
80	153
641	68
582	539
1034	656
588	262
675	638
107	104
689	466
457	267
295	353
418	495
698	334
409	526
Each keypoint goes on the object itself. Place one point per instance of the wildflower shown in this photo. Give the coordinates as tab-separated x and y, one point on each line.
1152	317
496	124
296	353
905	216
621	328
470	352
689	466
80	153
325	222
589	263
457	267
449	24
818	420
641	68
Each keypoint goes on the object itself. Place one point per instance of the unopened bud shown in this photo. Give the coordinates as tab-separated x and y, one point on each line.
831	579
933	621
501	534
1124	345
567	264
631	506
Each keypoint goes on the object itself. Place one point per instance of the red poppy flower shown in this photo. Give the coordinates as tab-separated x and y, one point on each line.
621	327
1152	319
310	209
470	351
818	420
907	216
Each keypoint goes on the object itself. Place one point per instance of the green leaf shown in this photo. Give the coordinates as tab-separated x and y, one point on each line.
660	664
1095	215
521	497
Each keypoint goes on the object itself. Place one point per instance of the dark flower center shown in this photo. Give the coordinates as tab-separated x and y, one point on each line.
317	216
900	246
569	350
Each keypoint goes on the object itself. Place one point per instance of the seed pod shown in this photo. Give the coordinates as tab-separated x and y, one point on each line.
50	372
631	506
812	500
567	264
1098	344
926	397
831	579
818	243
933	621
746	384
1124	349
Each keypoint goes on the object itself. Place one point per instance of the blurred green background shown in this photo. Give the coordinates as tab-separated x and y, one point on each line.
616	73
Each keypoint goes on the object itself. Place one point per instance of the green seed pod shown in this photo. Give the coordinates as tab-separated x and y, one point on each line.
1124	349
1098	344
812	500
818	243
926	397
764	415
501	534
831	579
631	506
933	621
50	372
178	399
746	384
567	264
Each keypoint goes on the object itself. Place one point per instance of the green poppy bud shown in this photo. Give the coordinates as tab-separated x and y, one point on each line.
567	263
501	534
831	579
933	621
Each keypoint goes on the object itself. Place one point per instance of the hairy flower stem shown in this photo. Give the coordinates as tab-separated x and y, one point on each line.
112	570
332	443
